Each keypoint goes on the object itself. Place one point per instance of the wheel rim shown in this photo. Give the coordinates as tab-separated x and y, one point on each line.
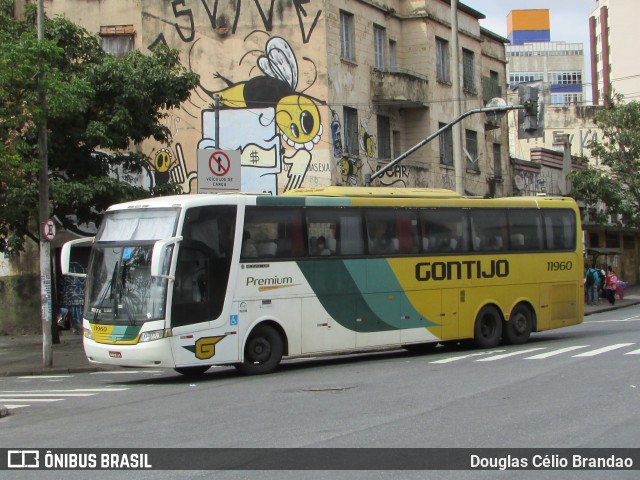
259	350
487	326
520	322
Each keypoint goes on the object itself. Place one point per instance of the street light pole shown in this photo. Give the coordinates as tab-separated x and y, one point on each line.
45	248
459	168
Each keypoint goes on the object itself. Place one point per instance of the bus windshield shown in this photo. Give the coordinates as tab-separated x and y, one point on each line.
120	289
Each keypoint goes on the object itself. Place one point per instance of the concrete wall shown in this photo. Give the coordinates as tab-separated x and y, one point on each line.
20	292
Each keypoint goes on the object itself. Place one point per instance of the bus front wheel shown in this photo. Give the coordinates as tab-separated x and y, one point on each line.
488	328
518	329
262	352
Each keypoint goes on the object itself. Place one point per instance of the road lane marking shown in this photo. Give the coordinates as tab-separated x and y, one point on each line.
44	377
629	319
126	372
598	351
462	357
510	354
13	407
22	394
69	390
2	399
540	356
635	352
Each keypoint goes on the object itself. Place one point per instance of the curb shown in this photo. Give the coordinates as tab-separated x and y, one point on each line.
611	308
51	371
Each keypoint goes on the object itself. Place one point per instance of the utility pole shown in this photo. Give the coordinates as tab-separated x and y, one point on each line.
45	247
216	140
456	132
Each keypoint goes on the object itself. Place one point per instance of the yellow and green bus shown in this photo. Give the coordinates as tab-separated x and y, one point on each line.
192	281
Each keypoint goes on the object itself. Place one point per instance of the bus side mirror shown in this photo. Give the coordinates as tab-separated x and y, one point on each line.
65	255
159	255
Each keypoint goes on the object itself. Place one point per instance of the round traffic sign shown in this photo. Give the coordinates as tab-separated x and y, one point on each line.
49	230
219	163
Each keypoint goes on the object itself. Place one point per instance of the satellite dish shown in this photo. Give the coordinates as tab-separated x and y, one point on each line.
494	118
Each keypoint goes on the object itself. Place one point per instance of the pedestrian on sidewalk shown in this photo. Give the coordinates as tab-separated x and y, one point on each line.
610	285
591	282
73	296
602	273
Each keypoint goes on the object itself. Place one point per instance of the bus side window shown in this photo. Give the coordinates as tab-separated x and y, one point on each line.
489	229
341	229
525	227
407	233
276	232
560	229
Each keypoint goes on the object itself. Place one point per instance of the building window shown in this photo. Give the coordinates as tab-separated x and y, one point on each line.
117	39
471	150
396	144
346	36
446	146
393	56
378	46
384	137
497	164
523	77
350	131
442	60
566	78
566	98
468	70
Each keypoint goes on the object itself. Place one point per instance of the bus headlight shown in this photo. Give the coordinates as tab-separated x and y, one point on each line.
154	335
87	333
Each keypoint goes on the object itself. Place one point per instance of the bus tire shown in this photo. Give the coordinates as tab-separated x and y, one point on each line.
262	352
192	371
518	329
488	328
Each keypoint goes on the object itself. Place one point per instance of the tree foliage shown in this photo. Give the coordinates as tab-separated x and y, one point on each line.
95	103
611	188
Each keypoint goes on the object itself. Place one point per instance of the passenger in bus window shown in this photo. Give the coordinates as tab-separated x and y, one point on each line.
321	246
382	240
248	246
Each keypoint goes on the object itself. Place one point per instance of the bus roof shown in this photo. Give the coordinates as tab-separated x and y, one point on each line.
373	192
349	196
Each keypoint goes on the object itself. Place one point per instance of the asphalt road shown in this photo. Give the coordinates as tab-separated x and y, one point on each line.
572	388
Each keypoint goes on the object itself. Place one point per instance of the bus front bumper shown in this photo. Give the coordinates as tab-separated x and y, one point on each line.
156	353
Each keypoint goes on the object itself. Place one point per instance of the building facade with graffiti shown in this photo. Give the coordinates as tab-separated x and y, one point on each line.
313	92
316	92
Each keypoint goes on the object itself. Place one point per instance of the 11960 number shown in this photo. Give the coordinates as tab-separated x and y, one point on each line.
556	266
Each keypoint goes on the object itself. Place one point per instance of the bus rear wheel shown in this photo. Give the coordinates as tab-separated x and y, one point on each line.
518	329
262	352
192	371
488	328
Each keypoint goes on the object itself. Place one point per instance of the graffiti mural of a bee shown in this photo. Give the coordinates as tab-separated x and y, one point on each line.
297	115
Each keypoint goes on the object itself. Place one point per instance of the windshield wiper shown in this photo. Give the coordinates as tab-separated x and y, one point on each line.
108	289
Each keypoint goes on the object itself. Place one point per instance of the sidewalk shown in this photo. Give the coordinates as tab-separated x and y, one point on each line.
22	355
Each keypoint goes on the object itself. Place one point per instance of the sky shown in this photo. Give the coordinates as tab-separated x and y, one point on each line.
569	19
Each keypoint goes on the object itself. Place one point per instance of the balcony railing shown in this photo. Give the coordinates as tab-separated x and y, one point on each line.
401	88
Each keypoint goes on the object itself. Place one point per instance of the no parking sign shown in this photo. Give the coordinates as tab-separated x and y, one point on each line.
49	230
